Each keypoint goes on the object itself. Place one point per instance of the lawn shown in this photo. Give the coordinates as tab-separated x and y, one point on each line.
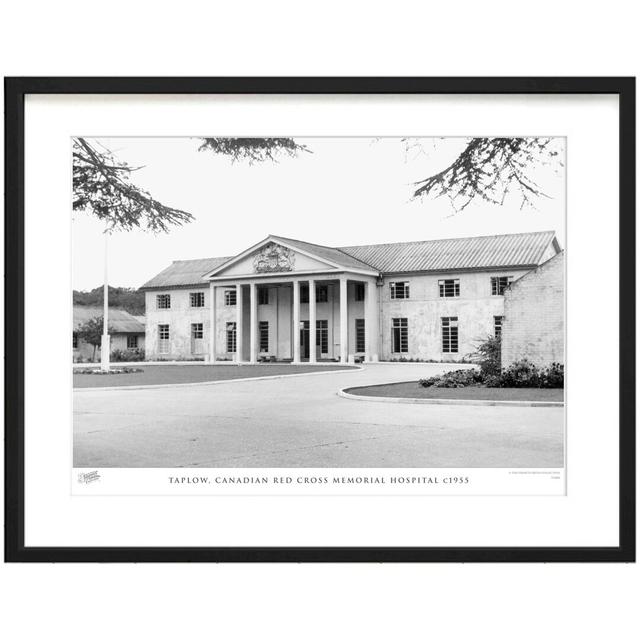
183	374
413	390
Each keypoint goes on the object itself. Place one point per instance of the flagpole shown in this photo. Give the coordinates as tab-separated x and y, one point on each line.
105	347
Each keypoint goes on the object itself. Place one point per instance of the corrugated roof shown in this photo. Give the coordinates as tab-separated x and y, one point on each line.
518	249
184	273
120	321
455	253
328	253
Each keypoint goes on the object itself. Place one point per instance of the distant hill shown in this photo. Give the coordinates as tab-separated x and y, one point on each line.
130	300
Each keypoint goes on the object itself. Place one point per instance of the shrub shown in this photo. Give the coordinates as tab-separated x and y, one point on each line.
521	373
128	355
553	376
487	356
454	379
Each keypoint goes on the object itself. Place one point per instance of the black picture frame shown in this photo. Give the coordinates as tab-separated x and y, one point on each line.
15	91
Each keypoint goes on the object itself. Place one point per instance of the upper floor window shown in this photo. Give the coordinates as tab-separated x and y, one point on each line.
449	288
322	293
197	299
163	301
263	296
359	292
230	298
399	290
499	284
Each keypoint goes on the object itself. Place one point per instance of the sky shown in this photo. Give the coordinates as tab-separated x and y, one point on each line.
348	191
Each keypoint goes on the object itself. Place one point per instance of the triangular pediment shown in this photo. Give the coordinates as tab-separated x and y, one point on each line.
270	257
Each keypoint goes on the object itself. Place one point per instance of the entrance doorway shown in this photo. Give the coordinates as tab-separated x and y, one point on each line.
304	339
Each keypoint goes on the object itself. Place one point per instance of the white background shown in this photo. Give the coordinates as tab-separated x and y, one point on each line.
191	38
587	516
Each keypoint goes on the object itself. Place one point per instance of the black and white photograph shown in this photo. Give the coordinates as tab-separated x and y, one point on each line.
379	317
318	303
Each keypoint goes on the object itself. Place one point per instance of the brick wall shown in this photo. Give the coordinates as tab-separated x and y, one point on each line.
533	326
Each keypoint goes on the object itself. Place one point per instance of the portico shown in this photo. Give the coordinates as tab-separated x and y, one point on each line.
295	305
298	318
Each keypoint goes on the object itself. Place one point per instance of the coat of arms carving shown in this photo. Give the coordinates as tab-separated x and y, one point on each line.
273	257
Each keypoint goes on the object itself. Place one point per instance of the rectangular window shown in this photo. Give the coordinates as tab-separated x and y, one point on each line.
400	335
359	292
264	336
197	332
449	288
132	342
322	293
75	340
450	334
230	298
360	346
197	299
322	336
163	338
231	337
263	296
399	290
163	301
499	284
497	326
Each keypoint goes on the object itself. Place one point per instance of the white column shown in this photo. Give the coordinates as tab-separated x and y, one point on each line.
253	322
212	323
344	321
296	321
238	323
371	330
312	321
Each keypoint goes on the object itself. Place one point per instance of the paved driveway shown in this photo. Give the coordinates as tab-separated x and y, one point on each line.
301	422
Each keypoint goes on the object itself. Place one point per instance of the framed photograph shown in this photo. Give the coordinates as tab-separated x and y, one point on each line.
320	319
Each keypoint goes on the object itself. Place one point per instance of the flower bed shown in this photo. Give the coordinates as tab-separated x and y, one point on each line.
110	371
520	374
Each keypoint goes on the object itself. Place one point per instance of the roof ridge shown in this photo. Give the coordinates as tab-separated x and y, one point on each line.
358	259
494	235
373	244
325	246
313	244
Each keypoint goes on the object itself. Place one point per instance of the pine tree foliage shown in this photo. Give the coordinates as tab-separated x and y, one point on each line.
489	169
253	149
